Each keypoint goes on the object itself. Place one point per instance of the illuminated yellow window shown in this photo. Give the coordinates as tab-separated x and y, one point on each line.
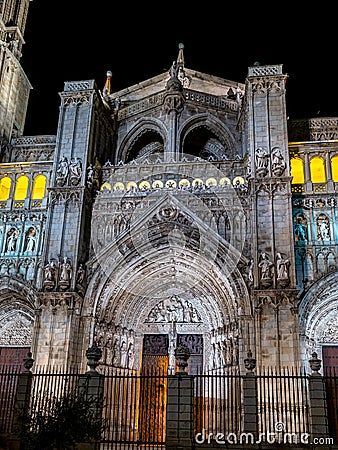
39	187
21	188
317	170
334	166
297	171
5	188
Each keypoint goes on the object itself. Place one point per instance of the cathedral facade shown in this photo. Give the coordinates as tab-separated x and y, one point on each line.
186	209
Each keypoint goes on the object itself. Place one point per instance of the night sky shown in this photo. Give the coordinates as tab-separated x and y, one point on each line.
68	41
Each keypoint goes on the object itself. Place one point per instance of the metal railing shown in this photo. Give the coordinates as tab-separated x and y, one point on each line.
134	404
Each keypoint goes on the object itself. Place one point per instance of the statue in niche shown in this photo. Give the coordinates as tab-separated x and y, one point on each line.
323	228
12	237
30	240
300	229
262	160
266	267
277	161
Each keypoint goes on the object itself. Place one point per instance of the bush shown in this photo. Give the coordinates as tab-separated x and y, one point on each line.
69	420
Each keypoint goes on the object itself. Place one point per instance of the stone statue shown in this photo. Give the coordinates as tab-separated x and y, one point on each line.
323	231
300	230
262	161
131	356
62	171
30	241
124	354
277	162
266	267
12	240
66	270
50	271
282	266
80	274
116	354
75	170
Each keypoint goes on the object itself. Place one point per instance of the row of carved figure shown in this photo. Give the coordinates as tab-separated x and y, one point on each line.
69	172
224	352
61	273
13	244
323	232
268	268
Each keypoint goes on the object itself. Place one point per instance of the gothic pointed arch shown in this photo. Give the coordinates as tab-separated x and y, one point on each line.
207	137
318	314
168	267
17	314
147	137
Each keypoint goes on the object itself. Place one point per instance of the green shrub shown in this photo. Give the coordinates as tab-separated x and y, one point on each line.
67	421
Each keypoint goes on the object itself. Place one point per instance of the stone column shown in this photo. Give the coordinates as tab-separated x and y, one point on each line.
318	406
179	426
250	398
23	395
91	385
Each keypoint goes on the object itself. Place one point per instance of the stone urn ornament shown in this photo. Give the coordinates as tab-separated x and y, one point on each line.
250	362
315	364
28	362
182	354
94	354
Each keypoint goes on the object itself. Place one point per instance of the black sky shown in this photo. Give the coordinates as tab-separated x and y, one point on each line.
72	40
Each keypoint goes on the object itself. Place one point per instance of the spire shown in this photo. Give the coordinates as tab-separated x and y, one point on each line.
180	56
107	86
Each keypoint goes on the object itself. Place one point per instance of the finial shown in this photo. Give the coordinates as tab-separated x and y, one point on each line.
107	86
180	57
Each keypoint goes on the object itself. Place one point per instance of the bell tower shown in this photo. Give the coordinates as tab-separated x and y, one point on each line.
14	85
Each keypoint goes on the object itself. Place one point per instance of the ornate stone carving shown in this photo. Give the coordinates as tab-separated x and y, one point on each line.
69	173
175	309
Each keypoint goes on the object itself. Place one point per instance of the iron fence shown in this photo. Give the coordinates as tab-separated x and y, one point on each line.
134	408
218	403
9	376
283	405
134	404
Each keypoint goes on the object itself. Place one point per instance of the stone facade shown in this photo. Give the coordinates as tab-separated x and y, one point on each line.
184	208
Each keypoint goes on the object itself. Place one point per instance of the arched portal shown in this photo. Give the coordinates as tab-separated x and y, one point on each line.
168	282
319	321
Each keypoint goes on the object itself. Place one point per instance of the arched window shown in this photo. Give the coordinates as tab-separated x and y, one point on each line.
39	187
334	168
21	188
297	171
5	188
317	170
